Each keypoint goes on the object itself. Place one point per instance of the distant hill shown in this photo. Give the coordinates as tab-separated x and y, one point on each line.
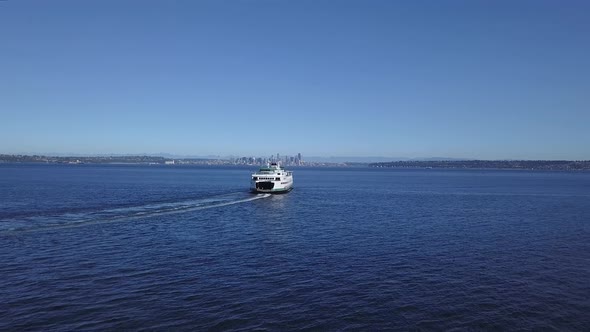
490	164
374	159
351	159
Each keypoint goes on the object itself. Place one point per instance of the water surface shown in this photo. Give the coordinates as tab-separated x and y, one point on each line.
87	247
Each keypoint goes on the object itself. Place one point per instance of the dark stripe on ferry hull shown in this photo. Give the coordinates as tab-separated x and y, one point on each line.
262	191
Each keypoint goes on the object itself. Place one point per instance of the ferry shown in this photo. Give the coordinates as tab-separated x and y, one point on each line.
272	179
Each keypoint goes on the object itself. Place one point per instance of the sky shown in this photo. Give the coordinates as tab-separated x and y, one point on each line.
401	79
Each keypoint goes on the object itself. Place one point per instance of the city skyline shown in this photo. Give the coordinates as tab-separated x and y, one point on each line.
368	79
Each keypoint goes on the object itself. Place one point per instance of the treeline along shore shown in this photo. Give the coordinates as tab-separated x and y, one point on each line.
6	158
552	165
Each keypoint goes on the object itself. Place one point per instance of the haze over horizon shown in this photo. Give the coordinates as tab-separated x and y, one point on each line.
455	79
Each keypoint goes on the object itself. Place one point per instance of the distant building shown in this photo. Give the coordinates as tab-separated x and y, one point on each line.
169	162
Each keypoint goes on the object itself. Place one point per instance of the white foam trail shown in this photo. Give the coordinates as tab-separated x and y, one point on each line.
70	220
210	206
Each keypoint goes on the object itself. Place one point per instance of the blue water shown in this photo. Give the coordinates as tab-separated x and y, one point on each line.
87	247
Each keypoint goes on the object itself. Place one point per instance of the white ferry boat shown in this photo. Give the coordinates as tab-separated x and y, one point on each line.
272	179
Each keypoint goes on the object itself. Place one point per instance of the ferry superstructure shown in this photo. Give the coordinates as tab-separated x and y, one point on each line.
272	179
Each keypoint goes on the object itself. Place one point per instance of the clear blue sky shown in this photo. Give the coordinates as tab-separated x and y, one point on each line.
476	79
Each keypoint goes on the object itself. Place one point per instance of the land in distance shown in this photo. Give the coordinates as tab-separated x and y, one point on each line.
562	165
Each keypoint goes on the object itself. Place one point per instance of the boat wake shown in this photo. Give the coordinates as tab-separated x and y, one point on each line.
42	221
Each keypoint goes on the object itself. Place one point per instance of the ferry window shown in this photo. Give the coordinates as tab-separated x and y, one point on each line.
254	178
278	179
